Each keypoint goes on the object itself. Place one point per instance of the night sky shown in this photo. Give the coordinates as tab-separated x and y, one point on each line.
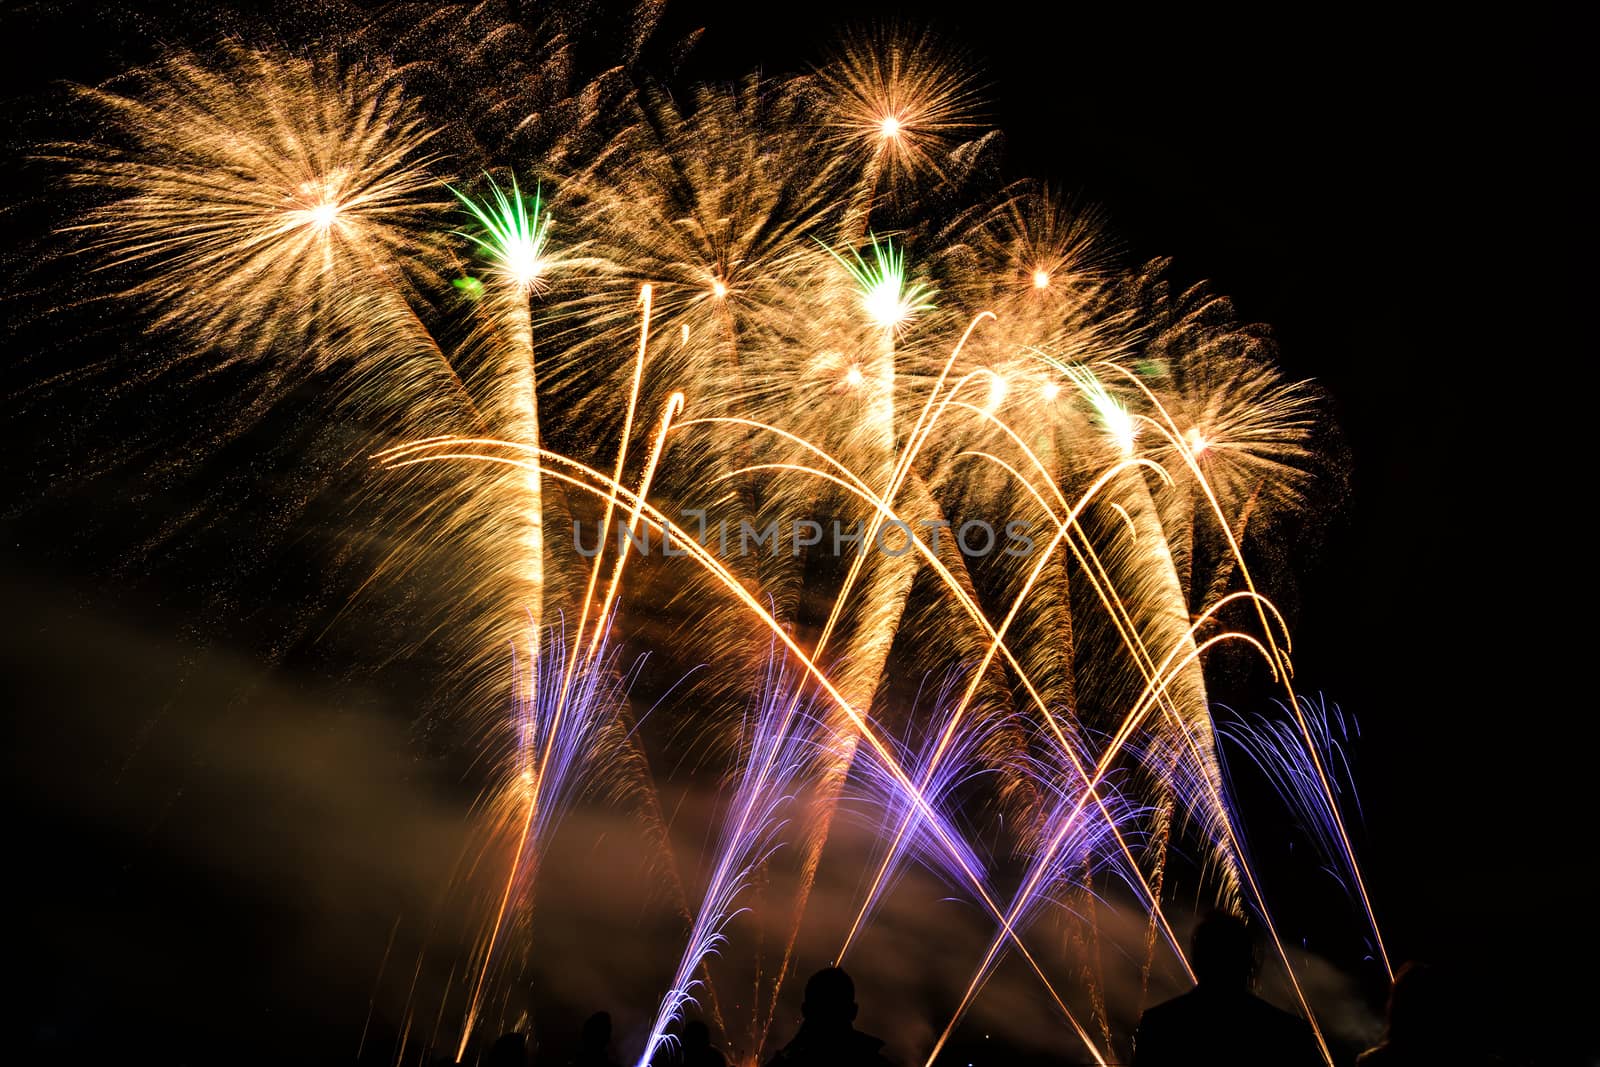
1394	194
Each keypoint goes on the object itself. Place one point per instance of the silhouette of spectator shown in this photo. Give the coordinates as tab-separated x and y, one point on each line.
827	1036
1425	1024
697	1050
1220	1021
594	1044
509	1050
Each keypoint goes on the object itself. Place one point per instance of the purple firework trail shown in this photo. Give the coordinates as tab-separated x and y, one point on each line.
1277	748
563	717
780	738
1074	840
905	825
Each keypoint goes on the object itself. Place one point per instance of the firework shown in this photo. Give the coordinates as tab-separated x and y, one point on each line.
514	239
775	756
561	725
1276	748
259	196
899	99
708	262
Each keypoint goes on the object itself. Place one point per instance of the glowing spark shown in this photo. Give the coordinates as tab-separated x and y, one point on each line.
517	233
324	215
888	299
1050	390
997	394
853	377
902	97
882	303
1118	423
719	289
1041	279
1197	441
1122	428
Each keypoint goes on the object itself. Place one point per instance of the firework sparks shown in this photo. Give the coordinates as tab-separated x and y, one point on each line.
889	300
716	263
516	233
256	197
901	97
776	754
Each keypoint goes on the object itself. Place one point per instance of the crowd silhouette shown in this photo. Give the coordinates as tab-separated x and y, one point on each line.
1221	1021
594	1045
509	1050
697	1048
827	1036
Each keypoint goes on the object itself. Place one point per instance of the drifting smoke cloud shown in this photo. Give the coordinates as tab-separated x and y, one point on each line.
291	863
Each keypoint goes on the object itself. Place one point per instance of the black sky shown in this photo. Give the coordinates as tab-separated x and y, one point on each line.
1395	194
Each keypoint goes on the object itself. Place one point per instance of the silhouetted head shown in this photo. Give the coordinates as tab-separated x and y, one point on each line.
696	1036
509	1050
830	999
1222	952
1418	1006
597	1031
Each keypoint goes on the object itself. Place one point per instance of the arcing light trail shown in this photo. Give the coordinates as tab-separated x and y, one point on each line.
409	454
660	522
775	760
845	326
1281	661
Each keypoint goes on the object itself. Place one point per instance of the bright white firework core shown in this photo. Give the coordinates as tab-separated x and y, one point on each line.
889	127
1051	390
997	394
883	304
323	216
718	289
853	377
522	262
1041	279
1123	428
